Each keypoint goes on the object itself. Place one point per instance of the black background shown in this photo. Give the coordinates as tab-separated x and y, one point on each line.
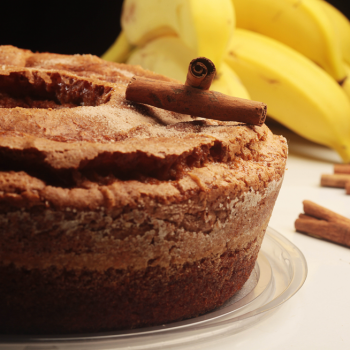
70	27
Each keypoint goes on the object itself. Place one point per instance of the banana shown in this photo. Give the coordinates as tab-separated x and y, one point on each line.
165	55
346	83
298	93
170	56
119	51
301	24
342	27
227	82
205	26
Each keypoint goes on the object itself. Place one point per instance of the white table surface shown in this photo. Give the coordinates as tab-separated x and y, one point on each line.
318	316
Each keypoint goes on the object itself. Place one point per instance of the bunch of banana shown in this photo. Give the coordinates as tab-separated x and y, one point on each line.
165	35
290	54
297	92
293	55
301	25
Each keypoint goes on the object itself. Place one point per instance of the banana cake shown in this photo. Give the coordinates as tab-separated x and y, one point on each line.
116	215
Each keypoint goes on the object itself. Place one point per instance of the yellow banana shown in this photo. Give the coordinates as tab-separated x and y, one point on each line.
165	55
205	26
302	25
342	27
346	84
298	93
119	51
170	57
228	83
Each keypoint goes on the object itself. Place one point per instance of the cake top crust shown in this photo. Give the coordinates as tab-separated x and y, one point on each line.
65	126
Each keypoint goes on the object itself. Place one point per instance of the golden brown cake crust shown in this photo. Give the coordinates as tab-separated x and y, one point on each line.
99	196
81	65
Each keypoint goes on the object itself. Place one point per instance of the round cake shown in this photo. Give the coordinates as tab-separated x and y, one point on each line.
117	215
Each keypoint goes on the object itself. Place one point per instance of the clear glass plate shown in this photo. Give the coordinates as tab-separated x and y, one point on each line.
279	273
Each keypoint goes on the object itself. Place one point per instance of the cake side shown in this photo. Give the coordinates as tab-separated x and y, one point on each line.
142	261
126	215
186	274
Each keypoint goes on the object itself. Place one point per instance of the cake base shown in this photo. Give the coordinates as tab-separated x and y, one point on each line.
56	302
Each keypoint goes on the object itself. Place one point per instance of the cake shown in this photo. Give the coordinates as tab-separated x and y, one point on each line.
116	215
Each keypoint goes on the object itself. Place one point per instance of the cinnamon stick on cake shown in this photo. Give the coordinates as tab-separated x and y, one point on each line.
194	98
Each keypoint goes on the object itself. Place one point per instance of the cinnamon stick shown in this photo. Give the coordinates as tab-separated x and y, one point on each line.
318	211
323	223
342	169
347	187
196	102
335	180
334	232
305	217
201	73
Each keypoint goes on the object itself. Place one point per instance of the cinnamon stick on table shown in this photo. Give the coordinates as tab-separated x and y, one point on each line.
347	187
342	169
323	223
335	180
195	101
